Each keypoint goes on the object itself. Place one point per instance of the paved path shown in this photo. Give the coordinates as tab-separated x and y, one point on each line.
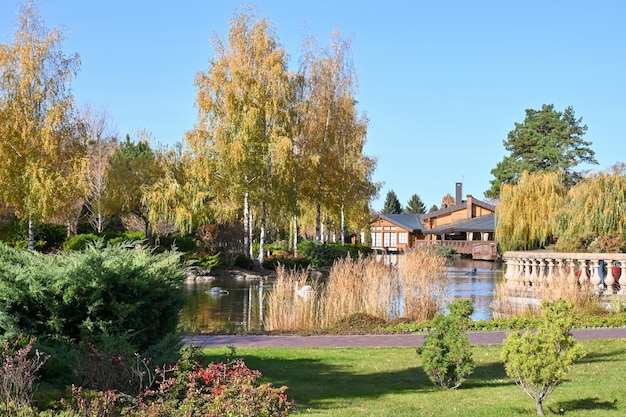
387	340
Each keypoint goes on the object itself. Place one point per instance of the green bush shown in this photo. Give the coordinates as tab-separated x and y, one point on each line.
76	296
114	238
290	263
539	374
181	243
209	262
48	237
242	261
79	242
447	251
325	254
446	353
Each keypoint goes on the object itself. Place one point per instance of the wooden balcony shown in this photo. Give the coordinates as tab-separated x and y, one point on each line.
483	250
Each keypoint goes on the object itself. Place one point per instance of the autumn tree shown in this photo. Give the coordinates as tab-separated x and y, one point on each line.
448	201
547	141
178	195
526	215
336	174
243	113
134	168
40	162
415	205
100	140
354	185
392	204
593	212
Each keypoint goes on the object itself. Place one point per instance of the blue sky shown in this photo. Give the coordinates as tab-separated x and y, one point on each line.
442	82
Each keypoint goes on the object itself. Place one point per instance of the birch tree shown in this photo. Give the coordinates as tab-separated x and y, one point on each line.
100	140
243	112
330	145
36	107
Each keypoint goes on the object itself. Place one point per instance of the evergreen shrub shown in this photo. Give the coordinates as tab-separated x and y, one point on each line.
446	353
113	289
325	254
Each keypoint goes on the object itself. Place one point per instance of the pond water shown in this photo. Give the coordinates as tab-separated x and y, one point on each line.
238	306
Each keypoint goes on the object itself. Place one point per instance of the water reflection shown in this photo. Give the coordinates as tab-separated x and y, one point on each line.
477	281
240	307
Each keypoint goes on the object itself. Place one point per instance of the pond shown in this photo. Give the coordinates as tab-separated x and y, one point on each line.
238	306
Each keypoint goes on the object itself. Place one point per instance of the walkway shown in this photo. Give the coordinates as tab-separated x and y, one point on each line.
361	341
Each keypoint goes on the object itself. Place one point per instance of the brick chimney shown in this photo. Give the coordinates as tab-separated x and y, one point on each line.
459	193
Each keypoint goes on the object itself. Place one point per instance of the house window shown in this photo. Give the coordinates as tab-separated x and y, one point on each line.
392	239
403	237
387	240
376	239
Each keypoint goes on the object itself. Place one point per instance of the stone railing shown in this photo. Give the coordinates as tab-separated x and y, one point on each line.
605	273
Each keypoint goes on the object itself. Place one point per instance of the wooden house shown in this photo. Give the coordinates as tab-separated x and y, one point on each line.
467	226
396	232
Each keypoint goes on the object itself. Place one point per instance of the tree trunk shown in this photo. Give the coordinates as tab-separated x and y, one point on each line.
262	233
318	224
540	407
343	224
246	225
295	236
31	233
148	231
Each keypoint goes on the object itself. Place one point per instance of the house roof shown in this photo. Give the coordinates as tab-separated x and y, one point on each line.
410	222
477	224
458	207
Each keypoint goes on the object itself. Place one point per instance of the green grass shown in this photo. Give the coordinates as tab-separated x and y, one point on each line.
391	382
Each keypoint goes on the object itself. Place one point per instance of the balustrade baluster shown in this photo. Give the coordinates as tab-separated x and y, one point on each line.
622	277
550	275
595	278
609	279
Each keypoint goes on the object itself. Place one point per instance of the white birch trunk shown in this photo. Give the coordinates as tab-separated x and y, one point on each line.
343	221
31	233
295	236
246	225
262	233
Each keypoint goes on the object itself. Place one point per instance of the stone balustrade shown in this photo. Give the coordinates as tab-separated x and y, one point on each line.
604	273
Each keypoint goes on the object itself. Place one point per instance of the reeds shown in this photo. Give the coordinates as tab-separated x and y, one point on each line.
416	289
291	305
362	285
424	282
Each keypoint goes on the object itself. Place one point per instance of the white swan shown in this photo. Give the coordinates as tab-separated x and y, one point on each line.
305	292
217	290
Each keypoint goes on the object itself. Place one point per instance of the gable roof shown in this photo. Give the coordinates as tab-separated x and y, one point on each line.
411	222
477	224
457	207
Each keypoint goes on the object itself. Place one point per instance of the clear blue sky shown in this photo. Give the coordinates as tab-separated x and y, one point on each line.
442	82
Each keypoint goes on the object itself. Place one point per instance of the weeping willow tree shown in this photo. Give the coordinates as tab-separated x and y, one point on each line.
594	212
526	215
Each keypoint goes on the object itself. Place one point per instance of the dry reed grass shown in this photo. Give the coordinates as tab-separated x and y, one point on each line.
362	285
289	308
425	283
416	290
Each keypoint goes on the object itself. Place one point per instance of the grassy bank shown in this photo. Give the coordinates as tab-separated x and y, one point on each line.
391	382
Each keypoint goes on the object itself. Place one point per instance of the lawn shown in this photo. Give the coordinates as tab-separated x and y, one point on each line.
391	382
